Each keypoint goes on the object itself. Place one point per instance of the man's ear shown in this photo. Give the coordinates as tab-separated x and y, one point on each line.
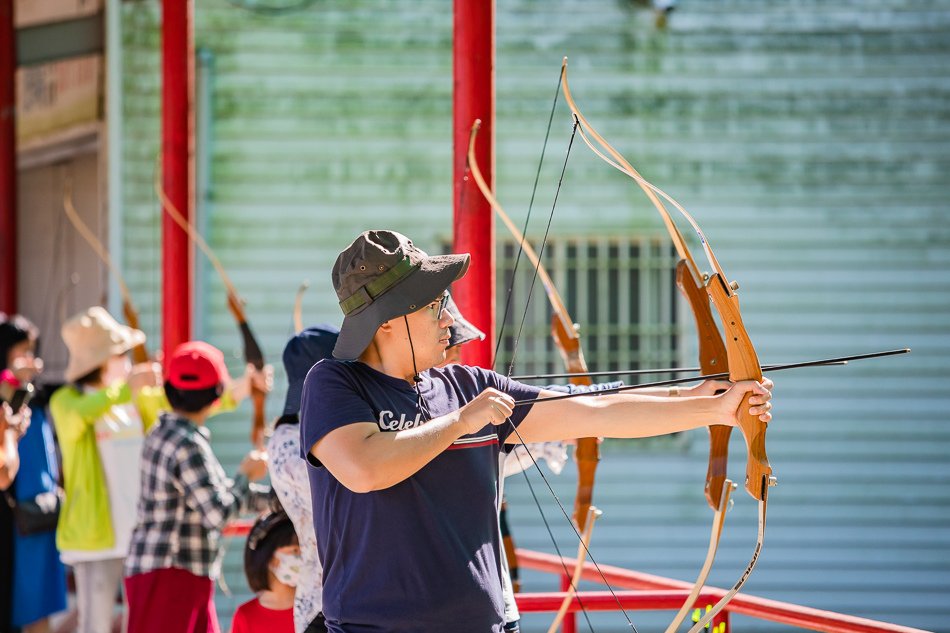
386	327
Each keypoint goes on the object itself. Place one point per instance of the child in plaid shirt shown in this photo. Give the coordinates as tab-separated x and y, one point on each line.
186	500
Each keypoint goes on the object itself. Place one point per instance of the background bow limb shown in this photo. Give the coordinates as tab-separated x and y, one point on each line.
139	352
252	350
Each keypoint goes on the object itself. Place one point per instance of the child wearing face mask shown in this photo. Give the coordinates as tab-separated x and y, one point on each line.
101	416
272	566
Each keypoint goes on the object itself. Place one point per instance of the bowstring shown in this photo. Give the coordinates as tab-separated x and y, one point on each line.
500	338
524	232
510	370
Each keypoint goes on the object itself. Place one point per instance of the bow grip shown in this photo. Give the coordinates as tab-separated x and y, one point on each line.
743	365
712	359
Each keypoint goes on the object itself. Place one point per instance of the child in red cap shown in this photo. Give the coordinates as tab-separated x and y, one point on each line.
186	500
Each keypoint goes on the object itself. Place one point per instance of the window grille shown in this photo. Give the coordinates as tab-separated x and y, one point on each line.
621	291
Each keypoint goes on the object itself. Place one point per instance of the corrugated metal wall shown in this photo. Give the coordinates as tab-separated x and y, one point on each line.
811	141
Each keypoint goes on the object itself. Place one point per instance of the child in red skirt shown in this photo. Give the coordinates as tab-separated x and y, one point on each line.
272	566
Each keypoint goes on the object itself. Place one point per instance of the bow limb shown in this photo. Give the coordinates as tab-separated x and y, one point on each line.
139	352
651	190
712	353
719	520
592	515
252	349
566	337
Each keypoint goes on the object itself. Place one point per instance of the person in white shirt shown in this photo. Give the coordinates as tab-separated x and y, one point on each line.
288	471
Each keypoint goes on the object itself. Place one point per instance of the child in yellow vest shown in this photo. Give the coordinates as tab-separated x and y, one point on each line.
100	418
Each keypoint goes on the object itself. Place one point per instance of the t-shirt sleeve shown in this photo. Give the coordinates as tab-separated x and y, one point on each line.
330	400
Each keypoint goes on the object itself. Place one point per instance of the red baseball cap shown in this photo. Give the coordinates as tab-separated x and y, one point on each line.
197	365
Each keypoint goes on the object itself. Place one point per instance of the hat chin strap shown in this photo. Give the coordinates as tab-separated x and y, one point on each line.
416	378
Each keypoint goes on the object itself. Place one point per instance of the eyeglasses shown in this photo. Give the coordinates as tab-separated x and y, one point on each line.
438	305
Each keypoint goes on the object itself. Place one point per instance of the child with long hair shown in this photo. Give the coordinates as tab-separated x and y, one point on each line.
272	566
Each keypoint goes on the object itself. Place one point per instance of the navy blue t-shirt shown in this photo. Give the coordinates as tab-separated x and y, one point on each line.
422	555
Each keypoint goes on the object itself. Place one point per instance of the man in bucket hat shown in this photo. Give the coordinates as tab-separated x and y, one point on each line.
403	456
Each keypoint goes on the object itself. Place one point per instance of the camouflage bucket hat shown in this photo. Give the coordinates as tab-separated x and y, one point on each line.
381	276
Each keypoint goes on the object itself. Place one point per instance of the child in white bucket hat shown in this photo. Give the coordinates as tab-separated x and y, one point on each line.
101	417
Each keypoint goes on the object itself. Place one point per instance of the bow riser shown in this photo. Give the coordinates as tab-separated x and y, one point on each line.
587	449
712	359
743	365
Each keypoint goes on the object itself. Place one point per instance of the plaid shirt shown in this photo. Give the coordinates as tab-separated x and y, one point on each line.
186	500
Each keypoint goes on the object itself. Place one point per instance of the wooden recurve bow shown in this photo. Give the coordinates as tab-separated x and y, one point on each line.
139	352
252	350
740	356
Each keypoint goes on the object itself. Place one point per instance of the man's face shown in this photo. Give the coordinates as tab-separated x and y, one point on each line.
429	328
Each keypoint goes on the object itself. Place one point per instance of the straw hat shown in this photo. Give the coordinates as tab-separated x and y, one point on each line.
92	337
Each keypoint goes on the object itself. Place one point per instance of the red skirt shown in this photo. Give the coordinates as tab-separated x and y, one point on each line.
171	600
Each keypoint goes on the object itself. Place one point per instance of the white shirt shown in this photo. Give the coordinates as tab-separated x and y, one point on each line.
288	475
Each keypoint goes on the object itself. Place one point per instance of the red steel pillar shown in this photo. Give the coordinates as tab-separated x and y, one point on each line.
177	67
8	173
474	222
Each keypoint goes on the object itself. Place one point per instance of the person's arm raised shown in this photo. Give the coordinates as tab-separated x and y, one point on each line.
365	459
628	415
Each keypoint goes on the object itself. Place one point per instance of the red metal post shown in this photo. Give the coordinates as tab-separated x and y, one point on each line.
569	623
176	170
474	222
8	179
720	623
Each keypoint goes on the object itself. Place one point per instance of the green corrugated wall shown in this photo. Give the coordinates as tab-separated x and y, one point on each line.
810	139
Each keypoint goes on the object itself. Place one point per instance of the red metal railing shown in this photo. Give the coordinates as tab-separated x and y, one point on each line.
657	592
640	591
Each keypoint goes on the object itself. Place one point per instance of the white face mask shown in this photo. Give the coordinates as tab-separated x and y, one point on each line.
288	567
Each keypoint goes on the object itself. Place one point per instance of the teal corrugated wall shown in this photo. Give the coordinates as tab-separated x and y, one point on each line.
810	139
